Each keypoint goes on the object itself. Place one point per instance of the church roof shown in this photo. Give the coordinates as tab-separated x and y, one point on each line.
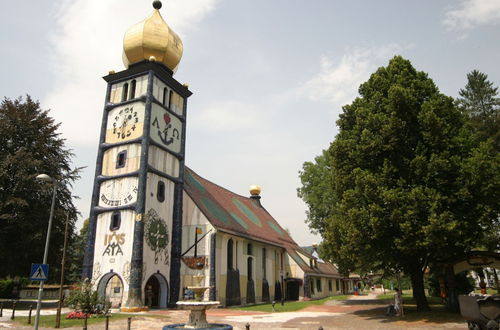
246	217
234	213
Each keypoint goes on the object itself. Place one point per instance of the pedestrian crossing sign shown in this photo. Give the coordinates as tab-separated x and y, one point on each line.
39	272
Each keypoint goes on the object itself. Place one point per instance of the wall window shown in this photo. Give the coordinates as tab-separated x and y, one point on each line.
132	89
236	255
160	191
170	96
164	99
121	158
318	284
330	285
249	249
264	270
116	220
337	283
124	92
230	254
250	268
312	286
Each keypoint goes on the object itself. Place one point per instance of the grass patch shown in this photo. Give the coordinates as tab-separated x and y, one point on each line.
49	321
408	299
289	306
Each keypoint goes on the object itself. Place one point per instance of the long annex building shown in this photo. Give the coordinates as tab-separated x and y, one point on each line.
155	224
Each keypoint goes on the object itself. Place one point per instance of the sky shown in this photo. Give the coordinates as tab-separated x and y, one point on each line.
269	78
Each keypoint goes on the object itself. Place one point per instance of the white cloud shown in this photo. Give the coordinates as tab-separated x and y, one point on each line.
88	44
226	116
338	84
472	13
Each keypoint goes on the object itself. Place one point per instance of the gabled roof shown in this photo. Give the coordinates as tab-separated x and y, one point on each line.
234	213
246	217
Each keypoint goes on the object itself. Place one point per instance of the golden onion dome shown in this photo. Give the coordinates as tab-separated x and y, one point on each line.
153	40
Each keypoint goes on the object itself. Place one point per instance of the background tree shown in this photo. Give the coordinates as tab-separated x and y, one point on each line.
76	253
30	145
479	101
406	187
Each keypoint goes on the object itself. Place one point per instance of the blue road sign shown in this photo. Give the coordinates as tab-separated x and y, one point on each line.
39	272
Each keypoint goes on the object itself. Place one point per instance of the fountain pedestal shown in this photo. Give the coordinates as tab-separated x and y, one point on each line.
197	316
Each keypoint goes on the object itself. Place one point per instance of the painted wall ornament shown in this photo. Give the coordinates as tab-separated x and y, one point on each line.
166	129
113	243
157	236
96	272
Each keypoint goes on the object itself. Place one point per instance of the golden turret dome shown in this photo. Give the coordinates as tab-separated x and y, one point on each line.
153	40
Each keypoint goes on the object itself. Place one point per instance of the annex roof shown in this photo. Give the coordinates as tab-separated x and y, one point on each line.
234	213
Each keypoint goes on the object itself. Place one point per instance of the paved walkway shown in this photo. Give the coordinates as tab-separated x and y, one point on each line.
359	312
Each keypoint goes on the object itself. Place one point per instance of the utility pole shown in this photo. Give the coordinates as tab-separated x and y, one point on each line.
58	315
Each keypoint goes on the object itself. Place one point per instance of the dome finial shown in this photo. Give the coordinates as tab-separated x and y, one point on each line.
153	40
157	4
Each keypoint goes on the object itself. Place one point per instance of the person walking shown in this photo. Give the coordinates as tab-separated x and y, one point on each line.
398	303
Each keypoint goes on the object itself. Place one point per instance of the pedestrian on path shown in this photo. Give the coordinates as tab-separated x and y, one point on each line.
397	302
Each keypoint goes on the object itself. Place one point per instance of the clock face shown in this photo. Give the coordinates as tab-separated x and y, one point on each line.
125	122
118	192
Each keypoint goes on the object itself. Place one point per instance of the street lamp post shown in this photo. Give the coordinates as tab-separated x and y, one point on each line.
46	178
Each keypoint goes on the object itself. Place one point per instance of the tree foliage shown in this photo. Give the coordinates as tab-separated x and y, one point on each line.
30	145
405	179
76	253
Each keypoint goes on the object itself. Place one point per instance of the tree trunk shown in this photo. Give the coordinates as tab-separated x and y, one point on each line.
417	282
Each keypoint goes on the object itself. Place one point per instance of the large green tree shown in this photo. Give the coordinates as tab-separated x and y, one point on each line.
30	145
404	179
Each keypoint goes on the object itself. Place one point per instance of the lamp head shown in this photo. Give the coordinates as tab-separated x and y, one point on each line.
44	177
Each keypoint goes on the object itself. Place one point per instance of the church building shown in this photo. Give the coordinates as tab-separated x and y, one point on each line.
155	224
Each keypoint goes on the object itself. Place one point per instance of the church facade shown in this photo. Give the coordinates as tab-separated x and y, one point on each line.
155	224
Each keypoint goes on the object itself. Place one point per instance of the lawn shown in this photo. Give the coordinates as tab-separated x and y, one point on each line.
408	298
289	306
49	321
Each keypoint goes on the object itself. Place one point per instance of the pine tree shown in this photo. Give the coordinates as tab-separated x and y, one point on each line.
479	101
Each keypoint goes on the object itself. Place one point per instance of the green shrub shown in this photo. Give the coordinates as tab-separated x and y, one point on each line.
85	299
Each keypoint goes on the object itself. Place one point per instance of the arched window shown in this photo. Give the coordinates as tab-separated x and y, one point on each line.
124	92
250	268
160	191
116	220
230	254
132	89
164	99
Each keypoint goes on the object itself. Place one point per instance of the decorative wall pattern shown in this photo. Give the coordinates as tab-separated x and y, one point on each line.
118	192
166	129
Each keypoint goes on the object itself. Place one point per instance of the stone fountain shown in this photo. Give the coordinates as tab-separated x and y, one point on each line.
197	307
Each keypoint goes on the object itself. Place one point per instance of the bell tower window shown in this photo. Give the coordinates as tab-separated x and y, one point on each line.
124	92
132	89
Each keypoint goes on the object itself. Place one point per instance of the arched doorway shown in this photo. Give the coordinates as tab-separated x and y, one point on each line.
111	287
156	291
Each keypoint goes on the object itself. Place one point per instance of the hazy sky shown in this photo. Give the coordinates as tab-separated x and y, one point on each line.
269	77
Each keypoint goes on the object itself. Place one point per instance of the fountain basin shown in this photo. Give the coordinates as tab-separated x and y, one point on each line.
211	326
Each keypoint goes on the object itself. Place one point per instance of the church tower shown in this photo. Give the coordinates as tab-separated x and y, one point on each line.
134	238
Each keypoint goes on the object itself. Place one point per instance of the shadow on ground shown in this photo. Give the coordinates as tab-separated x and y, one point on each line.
437	315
